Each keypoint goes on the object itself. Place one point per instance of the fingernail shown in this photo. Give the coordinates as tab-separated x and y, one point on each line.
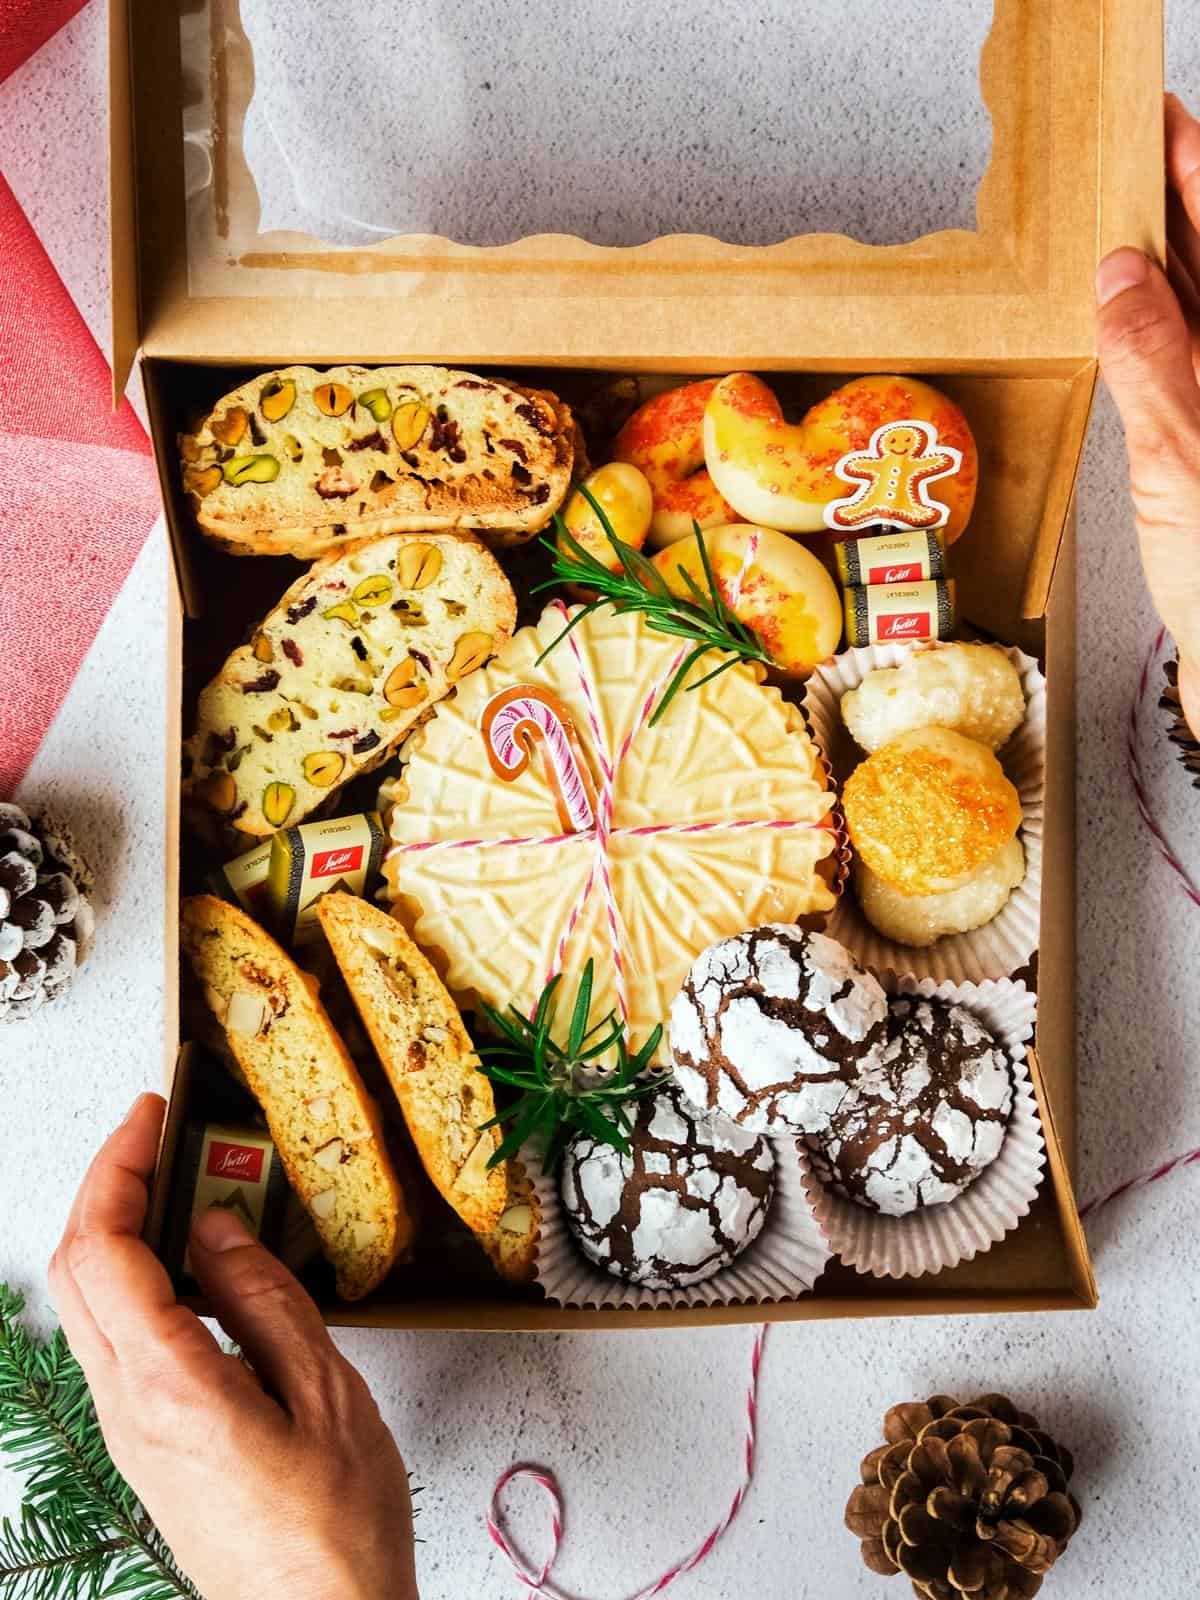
217	1230
1122	269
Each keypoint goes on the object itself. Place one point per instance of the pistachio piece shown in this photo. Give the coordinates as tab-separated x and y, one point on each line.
230	428
329	1156
218	792
293	447
202	481
282	721
323	1205
277	398
332	398
373	591
190	448
277	802
418	565
377	403
264	650
409	422
390	713
400	683
342	612
247	1013
250	469
471	651
323	768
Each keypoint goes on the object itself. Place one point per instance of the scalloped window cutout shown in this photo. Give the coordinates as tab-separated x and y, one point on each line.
616	120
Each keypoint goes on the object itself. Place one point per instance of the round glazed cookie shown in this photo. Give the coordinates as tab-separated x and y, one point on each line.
623	494
773	1027
773	585
928	809
973	689
922	919
927	1116
690	1196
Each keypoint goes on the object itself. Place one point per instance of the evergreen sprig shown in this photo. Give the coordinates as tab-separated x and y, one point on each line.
558	1092
700	615
82	1533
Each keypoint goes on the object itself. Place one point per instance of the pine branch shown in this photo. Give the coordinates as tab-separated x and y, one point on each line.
82	1531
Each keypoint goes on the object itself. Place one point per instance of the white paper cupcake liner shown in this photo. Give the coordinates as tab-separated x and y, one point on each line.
937	1237
783	1263
1002	946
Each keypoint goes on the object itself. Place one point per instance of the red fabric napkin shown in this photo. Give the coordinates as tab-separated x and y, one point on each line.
78	492
25	25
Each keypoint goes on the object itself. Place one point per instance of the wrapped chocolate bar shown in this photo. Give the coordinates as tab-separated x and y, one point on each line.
245	877
308	861
237	1168
885	612
908	555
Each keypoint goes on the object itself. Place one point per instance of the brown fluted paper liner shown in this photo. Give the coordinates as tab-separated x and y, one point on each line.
937	1237
783	1263
1002	946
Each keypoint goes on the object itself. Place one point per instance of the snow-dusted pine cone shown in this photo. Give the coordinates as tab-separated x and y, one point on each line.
45	916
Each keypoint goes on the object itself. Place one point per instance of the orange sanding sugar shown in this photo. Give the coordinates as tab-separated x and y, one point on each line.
929	809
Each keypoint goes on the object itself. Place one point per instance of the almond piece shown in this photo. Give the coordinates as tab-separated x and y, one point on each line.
516	1219
324	1205
319	1107
364	1233
247	1013
202	480
229	428
329	1156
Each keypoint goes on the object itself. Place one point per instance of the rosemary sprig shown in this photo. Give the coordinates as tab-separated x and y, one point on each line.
700	615
557	1095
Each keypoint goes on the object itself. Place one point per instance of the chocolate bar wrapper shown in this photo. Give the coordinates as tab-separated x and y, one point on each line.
310	860
902	555
233	1166
900	613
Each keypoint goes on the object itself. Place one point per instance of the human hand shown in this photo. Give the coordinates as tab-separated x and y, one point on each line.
282	1479
1148	325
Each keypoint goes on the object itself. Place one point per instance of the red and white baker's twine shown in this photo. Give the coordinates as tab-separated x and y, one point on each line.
537	1583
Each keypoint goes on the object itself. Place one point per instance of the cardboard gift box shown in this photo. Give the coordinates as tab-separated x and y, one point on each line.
1001	317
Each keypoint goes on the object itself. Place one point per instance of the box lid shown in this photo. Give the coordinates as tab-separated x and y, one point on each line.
1072	87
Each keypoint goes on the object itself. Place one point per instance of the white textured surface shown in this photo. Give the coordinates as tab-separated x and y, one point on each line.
646	1468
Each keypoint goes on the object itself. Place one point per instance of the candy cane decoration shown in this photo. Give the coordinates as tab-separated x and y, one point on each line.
518	721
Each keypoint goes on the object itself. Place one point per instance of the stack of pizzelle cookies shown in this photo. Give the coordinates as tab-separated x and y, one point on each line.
393	481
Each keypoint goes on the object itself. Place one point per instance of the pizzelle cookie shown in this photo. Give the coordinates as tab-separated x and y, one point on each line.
543	821
353	655
325	1125
296	462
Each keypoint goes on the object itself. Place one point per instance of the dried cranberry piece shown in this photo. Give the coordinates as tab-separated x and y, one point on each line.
263	684
541	494
359	648
292	651
237	811
420	656
369	441
514	447
301	609
521	474
367	742
536	419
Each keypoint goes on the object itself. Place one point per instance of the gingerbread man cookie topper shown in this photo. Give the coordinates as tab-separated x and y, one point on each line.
892	478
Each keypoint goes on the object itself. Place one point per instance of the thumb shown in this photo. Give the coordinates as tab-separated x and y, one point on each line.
261	1306
1145	355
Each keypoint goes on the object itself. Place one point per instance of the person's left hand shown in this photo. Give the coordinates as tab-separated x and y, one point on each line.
279	1477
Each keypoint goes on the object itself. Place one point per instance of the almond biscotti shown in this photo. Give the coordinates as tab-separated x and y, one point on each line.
296	462
426	1052
356	651
325	1125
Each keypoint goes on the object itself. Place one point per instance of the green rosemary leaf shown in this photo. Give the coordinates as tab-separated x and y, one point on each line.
715	672
677	681
579	1016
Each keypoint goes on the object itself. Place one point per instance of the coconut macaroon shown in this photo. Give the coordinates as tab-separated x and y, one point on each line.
922	919
972	689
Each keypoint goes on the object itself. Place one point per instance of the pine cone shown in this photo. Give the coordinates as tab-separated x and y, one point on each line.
969	1502
45	917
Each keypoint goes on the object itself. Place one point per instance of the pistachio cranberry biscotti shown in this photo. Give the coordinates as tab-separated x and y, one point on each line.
297	461
325	1125
425	1050
353	655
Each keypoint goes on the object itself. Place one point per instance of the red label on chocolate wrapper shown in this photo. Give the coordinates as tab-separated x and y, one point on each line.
904	625
332	863
234	1161
910	573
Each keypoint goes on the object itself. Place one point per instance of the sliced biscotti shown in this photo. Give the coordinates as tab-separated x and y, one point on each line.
426	1052
511	1245
325	1125
297	461
353	655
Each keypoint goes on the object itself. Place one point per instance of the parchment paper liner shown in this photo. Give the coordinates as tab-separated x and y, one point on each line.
1002	946
937	1237
783	1263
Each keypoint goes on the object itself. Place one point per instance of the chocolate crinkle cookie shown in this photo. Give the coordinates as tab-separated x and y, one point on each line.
690	1196
772	1027
925	1119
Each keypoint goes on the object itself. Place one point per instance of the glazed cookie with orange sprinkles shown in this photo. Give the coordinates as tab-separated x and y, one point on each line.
664	439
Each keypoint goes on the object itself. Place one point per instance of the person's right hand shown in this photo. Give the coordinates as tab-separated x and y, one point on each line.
1148	326
277	1478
